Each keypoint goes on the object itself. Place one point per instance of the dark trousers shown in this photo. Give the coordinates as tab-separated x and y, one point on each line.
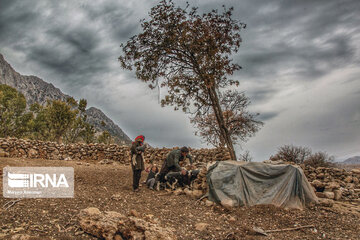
136	178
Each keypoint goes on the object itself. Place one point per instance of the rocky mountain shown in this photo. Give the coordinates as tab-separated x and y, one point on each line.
37	90
352	160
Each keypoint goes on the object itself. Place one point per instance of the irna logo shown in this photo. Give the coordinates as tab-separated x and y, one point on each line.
19	180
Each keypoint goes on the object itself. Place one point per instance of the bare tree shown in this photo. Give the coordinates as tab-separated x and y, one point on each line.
190	54
240	123
320	159
290	153
246	157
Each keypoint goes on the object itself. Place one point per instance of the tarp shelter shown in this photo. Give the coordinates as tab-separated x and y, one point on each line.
252	183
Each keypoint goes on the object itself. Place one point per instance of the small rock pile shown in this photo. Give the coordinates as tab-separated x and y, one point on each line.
113	225
13	147
200	182
334	183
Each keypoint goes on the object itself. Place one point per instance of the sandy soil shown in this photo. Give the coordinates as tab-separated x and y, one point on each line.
95	185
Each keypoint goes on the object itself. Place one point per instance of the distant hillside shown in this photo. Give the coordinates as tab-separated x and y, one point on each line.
37	90
352	160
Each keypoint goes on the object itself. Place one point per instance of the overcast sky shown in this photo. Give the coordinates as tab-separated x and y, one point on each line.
300	64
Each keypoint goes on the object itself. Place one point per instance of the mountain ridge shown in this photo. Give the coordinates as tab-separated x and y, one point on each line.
352	160
36	90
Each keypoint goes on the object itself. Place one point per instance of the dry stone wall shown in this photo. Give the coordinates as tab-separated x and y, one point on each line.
13	147
334	183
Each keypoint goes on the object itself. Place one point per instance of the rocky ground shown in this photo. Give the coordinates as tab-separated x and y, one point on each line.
108	188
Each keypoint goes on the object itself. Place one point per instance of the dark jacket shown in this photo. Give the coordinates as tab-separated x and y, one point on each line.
172	161
151	175
137	151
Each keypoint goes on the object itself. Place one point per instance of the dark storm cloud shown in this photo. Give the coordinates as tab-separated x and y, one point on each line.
265	116
288	46
309	37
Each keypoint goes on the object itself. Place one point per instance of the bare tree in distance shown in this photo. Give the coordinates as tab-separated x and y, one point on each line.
291	153
190	53
241	124
303	155
246	156
320	159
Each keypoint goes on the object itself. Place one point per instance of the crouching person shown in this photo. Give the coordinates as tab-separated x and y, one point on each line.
137	160
171	163
151	179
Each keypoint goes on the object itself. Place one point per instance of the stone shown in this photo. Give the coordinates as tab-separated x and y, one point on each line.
326	202
178	192
348	179
201	226
355	180
197	193
329	195
333	185
134	213
232	219
228	203
337	194
108	225
209	203
32	153
188	192
318	184
4	154
320	194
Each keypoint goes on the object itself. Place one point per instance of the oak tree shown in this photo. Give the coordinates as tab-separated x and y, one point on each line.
187	53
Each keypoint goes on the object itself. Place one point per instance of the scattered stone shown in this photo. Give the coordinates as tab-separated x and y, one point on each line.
232	219
326	202
109	224
337	194
134	213
116	197
209	203
228	203
178	192
201	226
197	193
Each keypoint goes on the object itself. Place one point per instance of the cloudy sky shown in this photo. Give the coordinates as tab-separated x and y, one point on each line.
300	64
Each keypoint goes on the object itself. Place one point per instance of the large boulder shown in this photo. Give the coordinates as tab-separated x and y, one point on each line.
114	225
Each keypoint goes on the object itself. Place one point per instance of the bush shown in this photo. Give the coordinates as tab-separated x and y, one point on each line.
303	155
320	159
290	153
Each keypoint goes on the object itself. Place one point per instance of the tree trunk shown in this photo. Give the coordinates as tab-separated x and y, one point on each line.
220	119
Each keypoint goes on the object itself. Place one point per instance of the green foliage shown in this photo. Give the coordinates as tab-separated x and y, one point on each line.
105	137
14	121
54	122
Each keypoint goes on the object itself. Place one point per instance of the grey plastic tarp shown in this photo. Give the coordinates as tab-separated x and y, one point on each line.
246	184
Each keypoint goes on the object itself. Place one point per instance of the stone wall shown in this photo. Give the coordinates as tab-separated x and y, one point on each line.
12	147
334	183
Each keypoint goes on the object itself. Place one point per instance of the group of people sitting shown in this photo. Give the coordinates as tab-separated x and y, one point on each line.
169	171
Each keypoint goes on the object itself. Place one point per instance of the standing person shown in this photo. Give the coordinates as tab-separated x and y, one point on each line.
137	160
172	160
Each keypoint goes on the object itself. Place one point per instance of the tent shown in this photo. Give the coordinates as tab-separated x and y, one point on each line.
233	183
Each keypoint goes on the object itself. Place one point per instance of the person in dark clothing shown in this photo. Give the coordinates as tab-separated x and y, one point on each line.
171	163
150	181
137	160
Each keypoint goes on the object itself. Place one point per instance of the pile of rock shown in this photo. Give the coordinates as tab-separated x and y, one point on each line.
13	147
113	225
334	183
200	182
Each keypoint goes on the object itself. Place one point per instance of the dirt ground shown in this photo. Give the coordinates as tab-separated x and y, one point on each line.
95	184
